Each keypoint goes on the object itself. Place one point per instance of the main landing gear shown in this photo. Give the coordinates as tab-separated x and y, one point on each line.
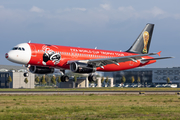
92	78
64	78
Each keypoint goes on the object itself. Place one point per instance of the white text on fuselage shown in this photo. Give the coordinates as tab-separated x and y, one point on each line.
95	52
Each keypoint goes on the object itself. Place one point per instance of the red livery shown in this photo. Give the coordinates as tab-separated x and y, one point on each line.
43	58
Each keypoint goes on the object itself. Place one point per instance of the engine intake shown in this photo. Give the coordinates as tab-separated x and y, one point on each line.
41	70
78	67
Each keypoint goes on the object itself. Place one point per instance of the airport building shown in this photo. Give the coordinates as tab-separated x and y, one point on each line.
148	75
82	82
16	73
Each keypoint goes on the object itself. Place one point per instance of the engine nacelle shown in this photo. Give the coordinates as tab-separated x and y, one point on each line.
78	67
41	70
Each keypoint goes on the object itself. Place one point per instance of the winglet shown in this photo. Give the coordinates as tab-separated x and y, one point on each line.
159	53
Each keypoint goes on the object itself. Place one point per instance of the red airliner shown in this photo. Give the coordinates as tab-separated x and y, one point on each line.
44	58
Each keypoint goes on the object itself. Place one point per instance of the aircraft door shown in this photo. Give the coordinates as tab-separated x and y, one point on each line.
33	50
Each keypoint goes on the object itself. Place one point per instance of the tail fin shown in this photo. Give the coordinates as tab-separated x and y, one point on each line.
142	43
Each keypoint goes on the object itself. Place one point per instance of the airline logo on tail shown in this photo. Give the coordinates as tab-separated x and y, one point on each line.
146	40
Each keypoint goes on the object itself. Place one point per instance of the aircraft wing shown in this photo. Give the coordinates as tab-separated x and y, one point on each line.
116	60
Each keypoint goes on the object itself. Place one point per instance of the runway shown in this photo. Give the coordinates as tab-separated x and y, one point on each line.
87	92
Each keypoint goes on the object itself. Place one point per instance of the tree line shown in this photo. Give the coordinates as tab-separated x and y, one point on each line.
123	79
47	80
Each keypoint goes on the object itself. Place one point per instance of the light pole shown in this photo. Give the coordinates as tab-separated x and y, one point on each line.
142	78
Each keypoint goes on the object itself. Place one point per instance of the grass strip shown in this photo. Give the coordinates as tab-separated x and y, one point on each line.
93	107
93	89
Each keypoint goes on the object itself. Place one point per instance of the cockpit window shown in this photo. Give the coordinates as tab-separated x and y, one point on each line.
18	48
15	48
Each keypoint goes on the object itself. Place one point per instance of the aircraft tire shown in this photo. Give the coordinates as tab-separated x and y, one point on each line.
64	78
26	74
92	78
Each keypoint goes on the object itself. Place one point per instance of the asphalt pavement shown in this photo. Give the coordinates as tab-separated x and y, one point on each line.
87	92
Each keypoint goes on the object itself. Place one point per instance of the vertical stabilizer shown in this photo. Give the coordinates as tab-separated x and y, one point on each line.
142	43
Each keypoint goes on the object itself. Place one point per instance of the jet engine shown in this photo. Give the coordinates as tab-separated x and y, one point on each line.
79	67
41	70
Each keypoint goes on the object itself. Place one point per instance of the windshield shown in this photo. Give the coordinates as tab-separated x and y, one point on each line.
15	48
18	48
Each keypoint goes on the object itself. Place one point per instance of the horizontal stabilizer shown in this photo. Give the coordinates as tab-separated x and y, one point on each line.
156	58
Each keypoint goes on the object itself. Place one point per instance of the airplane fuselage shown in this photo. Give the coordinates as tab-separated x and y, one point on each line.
59	56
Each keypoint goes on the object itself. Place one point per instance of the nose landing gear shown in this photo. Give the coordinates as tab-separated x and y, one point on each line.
26	74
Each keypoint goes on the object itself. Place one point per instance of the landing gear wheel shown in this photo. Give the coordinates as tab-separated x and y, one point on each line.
64	78
92	78
26	74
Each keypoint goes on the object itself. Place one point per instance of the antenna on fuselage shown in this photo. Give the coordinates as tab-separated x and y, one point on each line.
95	48
30	41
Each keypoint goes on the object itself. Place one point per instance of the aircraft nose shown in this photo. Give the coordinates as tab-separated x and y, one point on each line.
6	55
14	56
20	54
10	56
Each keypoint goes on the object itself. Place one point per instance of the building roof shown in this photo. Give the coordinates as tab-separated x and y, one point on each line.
10	67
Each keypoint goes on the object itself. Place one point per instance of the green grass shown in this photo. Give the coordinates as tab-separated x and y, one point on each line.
89	107
93	89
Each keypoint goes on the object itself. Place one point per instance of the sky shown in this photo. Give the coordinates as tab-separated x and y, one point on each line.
105	24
